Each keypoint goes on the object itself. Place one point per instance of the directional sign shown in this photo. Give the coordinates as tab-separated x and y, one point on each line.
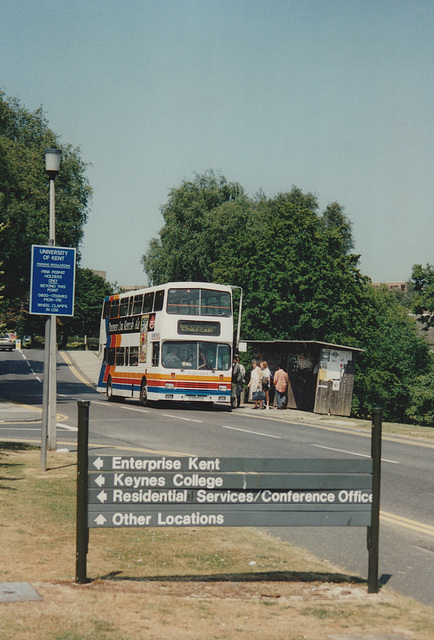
164	491
52	280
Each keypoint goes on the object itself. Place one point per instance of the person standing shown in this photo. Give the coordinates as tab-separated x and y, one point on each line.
255	382
237	383
266	382
280	381
243	380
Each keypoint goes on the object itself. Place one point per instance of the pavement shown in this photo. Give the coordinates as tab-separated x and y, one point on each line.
85	365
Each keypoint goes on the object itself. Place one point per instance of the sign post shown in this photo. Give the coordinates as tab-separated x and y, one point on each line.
184	491
52	284
374	528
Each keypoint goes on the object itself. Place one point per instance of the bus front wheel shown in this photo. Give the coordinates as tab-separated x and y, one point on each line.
143	393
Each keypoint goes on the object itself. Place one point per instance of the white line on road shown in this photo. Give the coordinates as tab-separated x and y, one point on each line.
169	415
121	406
255	433
352	453
67	427
20	428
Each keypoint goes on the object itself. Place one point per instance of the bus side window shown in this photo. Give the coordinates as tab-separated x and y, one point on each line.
134	356
114	309
148	302
106	310
159	300
120	356
138	303
111	355
123	309
155	354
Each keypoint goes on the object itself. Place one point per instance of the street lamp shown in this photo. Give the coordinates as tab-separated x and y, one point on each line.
52	166
49	437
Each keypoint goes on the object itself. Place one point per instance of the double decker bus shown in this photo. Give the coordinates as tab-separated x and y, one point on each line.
169	342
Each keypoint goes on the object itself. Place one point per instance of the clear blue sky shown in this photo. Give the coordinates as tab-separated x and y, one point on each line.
333	96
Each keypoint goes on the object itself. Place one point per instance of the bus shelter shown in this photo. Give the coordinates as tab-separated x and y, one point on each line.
321	375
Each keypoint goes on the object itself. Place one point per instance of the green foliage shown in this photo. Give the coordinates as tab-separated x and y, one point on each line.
181	253
421	406
423	300
299	279
395	354
24	194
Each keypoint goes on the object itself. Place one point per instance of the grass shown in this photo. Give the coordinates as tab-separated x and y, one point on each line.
178	583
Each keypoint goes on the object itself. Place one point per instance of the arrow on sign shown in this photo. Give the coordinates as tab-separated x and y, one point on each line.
102	497
100	519
98	463
100	480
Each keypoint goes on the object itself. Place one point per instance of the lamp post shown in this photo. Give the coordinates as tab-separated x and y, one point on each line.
49	436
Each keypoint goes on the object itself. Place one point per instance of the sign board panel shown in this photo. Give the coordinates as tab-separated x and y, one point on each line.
52	280
136	491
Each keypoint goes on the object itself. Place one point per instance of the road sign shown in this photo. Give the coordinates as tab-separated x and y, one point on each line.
162	491
52	280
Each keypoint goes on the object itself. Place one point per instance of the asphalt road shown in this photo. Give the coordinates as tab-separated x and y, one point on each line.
407	522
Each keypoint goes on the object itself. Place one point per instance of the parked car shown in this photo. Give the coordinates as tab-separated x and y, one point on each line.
7	342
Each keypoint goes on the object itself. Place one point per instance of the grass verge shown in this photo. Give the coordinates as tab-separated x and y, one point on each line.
175	583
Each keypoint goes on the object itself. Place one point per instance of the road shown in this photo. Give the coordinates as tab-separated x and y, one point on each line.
407	522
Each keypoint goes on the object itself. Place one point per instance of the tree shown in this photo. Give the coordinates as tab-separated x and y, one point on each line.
299	279
423	298
181	251
395	355
421	405
24	195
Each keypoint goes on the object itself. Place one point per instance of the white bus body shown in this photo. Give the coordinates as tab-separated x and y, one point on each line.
169	342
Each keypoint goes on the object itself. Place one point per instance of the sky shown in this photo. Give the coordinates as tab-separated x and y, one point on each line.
335	97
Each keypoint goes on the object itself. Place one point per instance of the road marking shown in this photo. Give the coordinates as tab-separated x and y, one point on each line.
21	428
75	371
420	527
353	453
120	406
169	415
256	433
67	427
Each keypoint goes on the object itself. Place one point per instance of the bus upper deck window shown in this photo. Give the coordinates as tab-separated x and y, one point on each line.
114	309
148	303
215	303
124	306
183	302
159	300
138	303
106	310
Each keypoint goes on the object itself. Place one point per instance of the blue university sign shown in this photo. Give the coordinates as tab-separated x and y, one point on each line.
52	280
